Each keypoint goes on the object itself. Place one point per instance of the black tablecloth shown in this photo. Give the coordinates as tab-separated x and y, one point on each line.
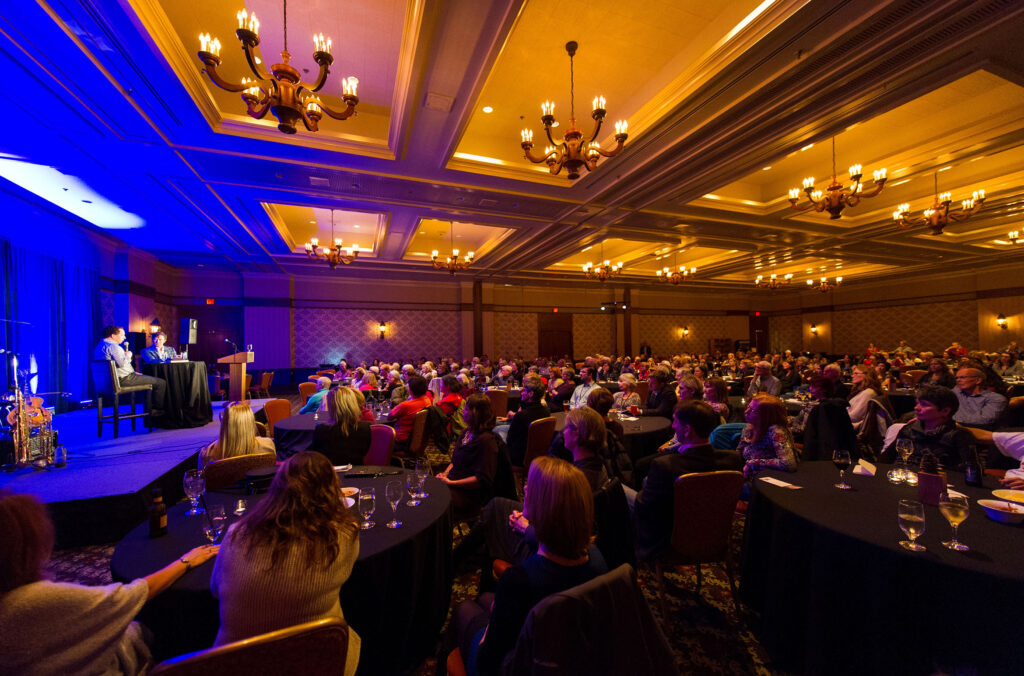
837	594
294	434
396	599
643	436
188	394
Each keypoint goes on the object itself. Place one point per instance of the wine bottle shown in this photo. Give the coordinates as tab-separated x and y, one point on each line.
157	515
972	470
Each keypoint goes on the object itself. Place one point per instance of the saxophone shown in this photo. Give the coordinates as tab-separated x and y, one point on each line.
21	429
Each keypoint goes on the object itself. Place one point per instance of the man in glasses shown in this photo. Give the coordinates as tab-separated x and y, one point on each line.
979	407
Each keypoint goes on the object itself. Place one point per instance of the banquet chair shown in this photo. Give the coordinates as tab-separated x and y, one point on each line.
643	388
227	471
246	387
703	510
417	440
266	378
318	647
499	402
914	375
276	410
538	439
306	390
382	445
104	376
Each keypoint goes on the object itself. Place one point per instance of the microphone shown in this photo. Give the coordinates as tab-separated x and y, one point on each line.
227	340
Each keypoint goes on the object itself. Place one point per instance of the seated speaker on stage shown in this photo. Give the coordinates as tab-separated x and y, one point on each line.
158	353
110	348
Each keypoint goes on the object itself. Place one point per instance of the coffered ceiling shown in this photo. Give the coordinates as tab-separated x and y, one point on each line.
729	105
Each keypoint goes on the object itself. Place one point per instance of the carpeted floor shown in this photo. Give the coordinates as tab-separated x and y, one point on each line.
705	634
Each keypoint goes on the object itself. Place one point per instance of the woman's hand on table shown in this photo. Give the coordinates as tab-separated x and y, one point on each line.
1013	482
751	468
201	554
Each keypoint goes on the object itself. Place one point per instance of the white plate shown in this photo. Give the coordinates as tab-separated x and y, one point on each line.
342	468
350	502
1007	494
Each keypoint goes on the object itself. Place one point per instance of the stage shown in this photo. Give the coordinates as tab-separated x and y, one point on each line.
104	491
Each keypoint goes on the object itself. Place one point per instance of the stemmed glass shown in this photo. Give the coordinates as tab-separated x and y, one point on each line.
841	459
215	522
394	493
422	472
367	506
412	486
194	484
911	521
955	508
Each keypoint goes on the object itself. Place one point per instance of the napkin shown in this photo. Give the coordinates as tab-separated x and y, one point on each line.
778	482
864	467
628	418
953	493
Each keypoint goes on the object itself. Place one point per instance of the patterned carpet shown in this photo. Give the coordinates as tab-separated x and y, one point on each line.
703	630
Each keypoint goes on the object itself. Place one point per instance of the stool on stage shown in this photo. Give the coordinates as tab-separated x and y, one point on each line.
104	376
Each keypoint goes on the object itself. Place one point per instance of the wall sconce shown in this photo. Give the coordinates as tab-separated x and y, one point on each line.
382	327
683	332
814	329
1003	323
154	325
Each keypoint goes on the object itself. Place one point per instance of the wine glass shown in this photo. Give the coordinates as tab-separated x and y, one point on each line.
422	471
394	493
955	508
367	505
412	487
194	484
216	519
911	521
905	447
841	459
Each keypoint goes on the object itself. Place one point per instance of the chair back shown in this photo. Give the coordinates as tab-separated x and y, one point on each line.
538	439
872	432
418	437
382	444
913	375
306	390
614	523
319	647
325	372
266	380
276	410
104	376
643	388
227	471
499	402
703	511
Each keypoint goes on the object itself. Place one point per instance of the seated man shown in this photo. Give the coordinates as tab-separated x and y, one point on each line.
504	377
692	421
979	407
403	415
661	399
110	349
763	381
323	384
583	390
933	429
834	372
158	353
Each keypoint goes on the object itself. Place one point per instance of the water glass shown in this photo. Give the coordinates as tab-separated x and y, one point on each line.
248	348
194	484
956	509
910	517
60	456
412	487
422	471
394	493
367	506
216	519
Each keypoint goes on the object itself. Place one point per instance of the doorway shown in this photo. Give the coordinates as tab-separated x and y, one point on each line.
554	334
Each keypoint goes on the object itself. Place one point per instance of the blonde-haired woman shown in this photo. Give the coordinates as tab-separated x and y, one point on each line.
346	438
867	388
237	436
626	396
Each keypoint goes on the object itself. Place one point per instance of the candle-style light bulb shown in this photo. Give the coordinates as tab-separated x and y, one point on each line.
527	135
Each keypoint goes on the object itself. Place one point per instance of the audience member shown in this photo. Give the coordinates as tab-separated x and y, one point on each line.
626	396
403	415
824	423
766	442
346	439
933	429
763	381
582	391
867	389
979	407
1009	366
532	408
474	465
237	436
323	384
938	374
585	435
661	399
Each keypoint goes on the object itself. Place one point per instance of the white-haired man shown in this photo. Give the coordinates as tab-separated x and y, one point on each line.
763	381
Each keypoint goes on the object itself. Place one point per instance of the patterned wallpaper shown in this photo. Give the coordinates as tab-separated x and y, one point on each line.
515	334
928	326
168	316
784	333
107	307
325	335
661	332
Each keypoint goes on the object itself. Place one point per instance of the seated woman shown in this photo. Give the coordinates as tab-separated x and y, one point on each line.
346	438
237	436
716	394
766	442
365	414
284	562
559	395
532	407
689	387
938	374
789	377
560	507
627	395
866	389
60	628
933	429
824	422
470	476
369	382
1008	366
451	403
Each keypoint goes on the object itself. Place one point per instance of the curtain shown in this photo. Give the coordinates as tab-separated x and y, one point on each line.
51	317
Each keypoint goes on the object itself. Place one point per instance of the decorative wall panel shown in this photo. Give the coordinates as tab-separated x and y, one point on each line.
784	333
326	335
592	334
515	334
168	316
927	326
107	311
663	332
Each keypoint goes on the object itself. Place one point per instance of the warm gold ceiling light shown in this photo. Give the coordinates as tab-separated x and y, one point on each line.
824	285
335	254
573	152
674	277
939	216
1014	237
773	281
281	92
603	271
452	263
838	198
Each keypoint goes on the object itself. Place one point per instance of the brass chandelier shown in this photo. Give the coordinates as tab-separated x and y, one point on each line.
838	197
452	263
773	282
573	152
281	92
1014	237
335	254
674	277
939	216
604	270
824	285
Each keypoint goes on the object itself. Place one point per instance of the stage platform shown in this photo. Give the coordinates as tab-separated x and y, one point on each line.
104	491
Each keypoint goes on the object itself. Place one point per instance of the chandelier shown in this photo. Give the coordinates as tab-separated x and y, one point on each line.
281	92
603	271
452	263
773	282
334	255
939	216
837	198
1014	237
674	277
824	285
573	152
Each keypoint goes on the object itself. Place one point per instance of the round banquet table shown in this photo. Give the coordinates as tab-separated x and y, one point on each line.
294	434
396	599
642	436
188	394
837	594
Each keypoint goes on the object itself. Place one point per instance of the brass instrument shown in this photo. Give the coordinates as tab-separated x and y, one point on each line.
20	429
29	413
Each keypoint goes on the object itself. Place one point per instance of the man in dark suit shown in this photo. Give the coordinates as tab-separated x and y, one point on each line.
661	399
532	408
692	422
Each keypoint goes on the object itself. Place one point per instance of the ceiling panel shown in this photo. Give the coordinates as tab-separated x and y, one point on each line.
446	236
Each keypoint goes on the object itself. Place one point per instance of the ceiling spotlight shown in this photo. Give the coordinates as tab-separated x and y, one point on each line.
488	109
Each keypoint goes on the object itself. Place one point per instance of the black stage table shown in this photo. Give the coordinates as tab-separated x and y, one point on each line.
294	434
642	436
188	394
838	595
396	599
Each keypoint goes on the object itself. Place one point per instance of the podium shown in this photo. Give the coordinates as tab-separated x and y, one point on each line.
236	386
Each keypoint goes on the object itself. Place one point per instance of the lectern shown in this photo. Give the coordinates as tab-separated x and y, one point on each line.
236	386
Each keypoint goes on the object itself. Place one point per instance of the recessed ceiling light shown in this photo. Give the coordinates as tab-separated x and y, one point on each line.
766	168
355	226
947	167
808	146
312	222
488	109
